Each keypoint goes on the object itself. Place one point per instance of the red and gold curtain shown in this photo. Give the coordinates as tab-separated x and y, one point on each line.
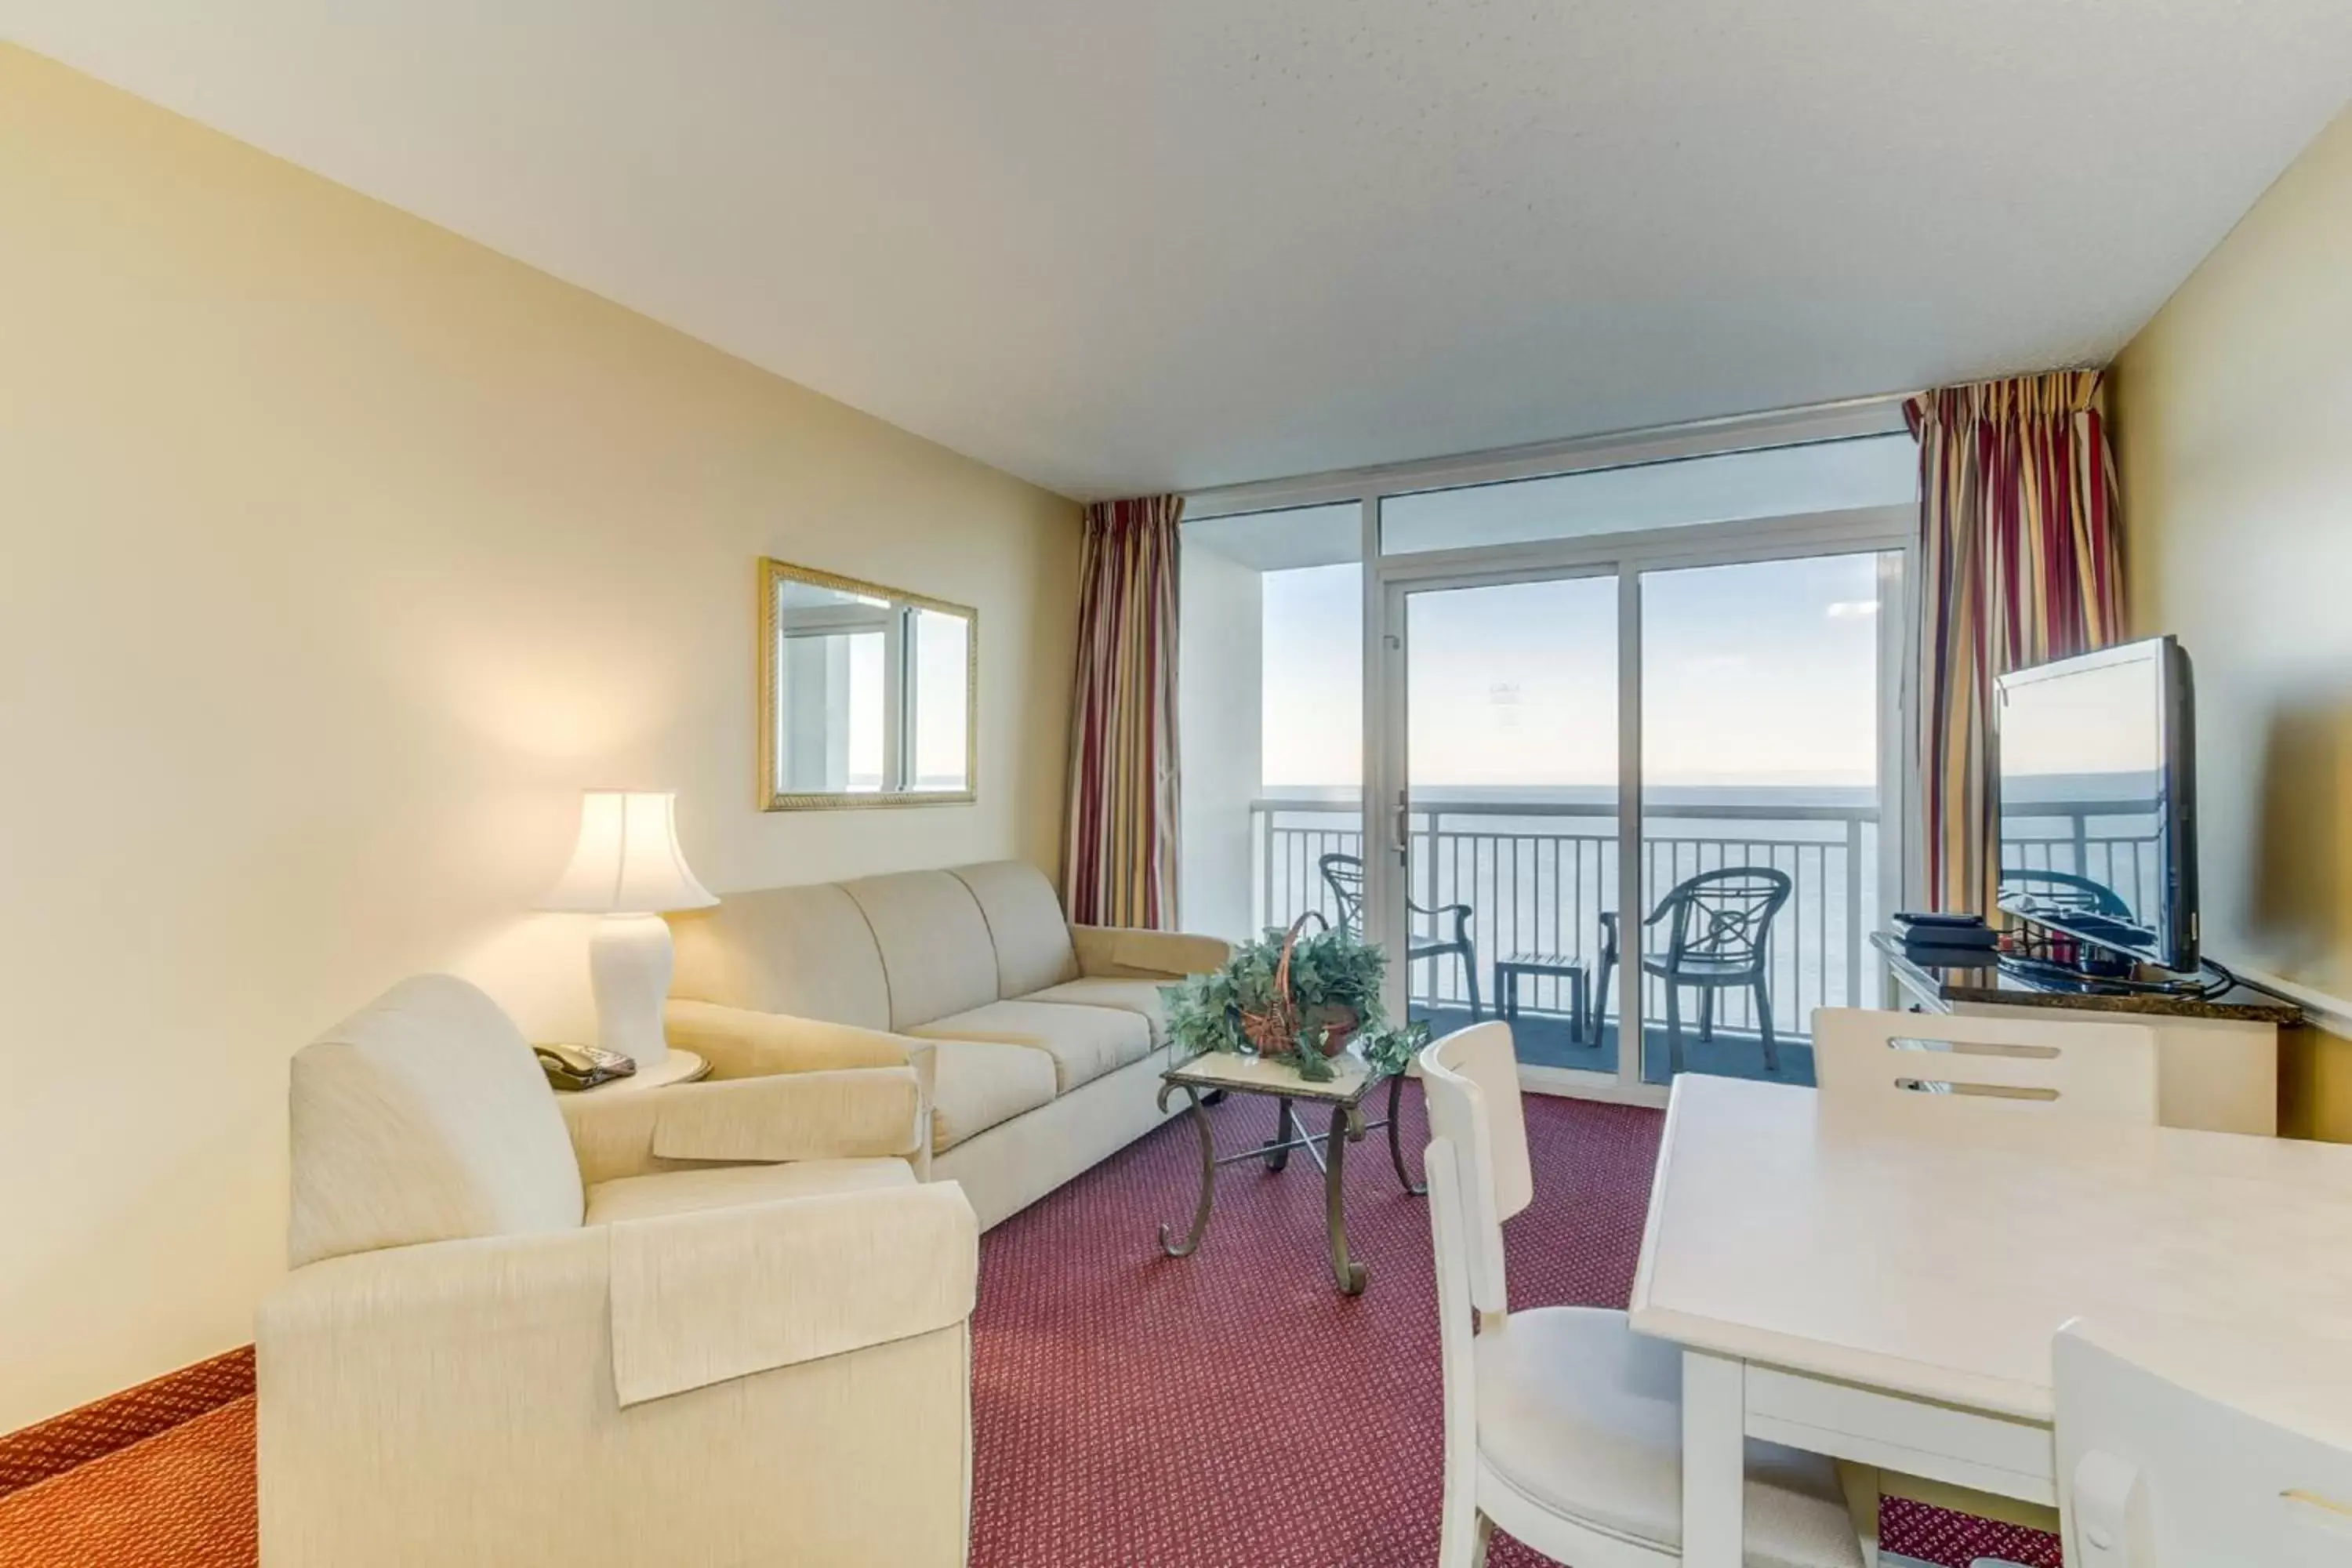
1119	868
2020	561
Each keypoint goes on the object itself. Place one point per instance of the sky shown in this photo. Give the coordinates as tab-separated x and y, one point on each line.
1763	674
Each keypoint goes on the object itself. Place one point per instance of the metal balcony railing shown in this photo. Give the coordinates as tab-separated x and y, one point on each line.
1537	874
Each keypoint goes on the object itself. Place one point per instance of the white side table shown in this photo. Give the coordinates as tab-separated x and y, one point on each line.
678	1067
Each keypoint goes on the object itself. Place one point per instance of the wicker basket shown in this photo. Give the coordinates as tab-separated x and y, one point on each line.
1276	1031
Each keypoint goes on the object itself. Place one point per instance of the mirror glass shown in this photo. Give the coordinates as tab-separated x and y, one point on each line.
867	693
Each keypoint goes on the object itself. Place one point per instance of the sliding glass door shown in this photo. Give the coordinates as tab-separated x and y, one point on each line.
1609	750
1743	706
1763	718
1507	826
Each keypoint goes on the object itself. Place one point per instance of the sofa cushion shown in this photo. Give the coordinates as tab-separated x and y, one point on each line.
1138	997
423	1117
982	1084
725	1186
806	951
1084	1042
934	942
1024	922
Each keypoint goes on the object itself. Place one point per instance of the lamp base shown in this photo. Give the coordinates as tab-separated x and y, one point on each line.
628	970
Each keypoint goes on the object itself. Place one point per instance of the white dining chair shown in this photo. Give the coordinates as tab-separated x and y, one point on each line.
2056	1066
1562	1425
1870	1061
2162	1463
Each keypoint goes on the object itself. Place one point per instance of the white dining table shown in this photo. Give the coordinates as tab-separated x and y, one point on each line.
1881	1284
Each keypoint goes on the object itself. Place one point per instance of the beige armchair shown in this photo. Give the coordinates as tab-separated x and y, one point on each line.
716	1323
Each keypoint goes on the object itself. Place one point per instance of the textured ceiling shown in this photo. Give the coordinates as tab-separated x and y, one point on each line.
1119	245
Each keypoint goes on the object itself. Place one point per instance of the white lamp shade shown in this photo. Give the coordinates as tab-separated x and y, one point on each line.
628	860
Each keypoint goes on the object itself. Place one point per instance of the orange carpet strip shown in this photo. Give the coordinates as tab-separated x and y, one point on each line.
116	1422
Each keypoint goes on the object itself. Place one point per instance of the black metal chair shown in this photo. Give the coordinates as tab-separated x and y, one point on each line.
2078	894
1344	873
1719	925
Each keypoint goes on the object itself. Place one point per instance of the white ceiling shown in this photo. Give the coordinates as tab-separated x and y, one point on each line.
1123	245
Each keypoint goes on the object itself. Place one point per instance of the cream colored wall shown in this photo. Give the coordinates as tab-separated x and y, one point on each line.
336	555
1219	688
2234	431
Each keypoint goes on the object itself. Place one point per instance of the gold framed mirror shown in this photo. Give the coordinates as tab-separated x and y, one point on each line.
868	695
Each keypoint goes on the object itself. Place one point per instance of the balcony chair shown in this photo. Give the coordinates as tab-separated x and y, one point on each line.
709	1323
1718	926
2086	894
1562	1425
1344	873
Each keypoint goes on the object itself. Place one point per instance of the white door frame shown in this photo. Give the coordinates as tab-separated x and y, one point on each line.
1390	580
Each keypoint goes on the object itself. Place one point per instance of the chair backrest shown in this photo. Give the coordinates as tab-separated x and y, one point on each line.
1344	875
2066	889
1724	916
2059	1067
1025	925
805	951
1470	1079
2165	1467
892	951
425	1117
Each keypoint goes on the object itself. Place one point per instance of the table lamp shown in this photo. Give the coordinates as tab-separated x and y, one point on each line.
627	868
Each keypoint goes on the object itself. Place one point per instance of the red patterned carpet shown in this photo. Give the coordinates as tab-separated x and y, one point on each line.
1229	1410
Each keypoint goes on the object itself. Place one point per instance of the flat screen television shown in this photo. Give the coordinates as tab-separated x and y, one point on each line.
2098	769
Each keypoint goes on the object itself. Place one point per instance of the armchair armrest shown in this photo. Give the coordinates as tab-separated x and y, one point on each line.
1130	952
740	1042
716	1294
833	1348
845	1114
682	1301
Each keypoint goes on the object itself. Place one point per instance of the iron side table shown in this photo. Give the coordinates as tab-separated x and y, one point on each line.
1214	1072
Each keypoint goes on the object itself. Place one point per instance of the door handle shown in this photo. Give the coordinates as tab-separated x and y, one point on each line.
1404	828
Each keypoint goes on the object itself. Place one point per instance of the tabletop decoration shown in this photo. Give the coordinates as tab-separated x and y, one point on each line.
1297	998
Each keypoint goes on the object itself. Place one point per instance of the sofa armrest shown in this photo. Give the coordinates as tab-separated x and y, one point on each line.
1127	952
740	1042
845	1114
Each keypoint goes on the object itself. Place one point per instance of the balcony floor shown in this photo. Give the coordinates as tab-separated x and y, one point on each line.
1545	1039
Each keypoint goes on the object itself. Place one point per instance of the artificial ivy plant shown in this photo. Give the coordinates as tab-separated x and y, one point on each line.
1335	981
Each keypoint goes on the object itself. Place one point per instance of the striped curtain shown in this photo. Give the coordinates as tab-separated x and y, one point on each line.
2020	561
1119	867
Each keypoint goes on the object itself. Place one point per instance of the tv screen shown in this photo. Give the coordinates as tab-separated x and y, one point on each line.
2096	778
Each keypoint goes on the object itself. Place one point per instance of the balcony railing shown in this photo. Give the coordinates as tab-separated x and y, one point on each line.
1537	874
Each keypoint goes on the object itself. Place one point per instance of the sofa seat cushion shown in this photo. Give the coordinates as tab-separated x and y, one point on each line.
725	1186
1140	997
984	1084
1084	1042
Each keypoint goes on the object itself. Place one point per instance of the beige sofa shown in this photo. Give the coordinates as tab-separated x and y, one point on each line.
1045	1036
707	1324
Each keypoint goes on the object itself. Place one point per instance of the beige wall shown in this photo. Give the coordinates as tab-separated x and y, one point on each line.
2234	429
336	555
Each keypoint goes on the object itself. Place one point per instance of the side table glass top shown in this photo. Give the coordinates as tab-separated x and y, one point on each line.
1256	1075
